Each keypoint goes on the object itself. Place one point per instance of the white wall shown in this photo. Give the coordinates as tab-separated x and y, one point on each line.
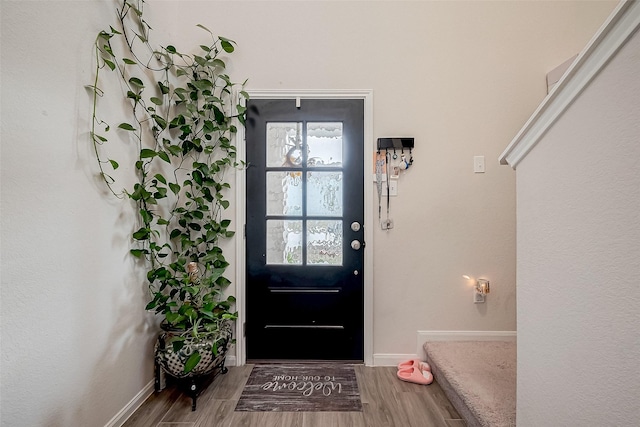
460	77
579	259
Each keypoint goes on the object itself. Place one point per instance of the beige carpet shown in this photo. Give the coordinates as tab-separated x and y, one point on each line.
479	377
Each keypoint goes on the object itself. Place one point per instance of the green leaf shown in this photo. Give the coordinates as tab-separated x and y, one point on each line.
197	176
147	216
203	84
107	48
164	89
172	317
199	60
146	153
175	188
160	121
155	100
129	61
160	178
133	95
171	49
142	234
104	35
204	28
174	150
98	137
192	361
114	164
138	252
225	223
109	64
219	115
177	345
126	126
134	81
175	233
226	44
218	63
164	156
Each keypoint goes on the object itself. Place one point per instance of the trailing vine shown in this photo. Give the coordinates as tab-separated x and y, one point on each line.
183	111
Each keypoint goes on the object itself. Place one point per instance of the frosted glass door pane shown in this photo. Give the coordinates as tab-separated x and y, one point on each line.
324	193
325	144
284	193
284	144
284	242
324	242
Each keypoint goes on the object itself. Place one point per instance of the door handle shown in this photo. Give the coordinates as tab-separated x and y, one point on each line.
356	245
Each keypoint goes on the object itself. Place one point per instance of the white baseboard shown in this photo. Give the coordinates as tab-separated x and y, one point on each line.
424	336
121	417
382	359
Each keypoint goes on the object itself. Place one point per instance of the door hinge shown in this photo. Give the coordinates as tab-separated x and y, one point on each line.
244	329
244	231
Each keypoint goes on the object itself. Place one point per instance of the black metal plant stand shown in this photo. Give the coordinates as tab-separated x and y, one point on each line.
194	384
166	362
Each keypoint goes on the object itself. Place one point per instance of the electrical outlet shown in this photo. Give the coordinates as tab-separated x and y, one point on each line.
386	224
478	298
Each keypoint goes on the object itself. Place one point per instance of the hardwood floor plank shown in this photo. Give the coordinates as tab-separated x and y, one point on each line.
333	419
381	409
386	402
419	409
265	419
217	412
442	402
153	409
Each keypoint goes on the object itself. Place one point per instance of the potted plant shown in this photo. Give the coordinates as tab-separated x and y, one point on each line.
183	114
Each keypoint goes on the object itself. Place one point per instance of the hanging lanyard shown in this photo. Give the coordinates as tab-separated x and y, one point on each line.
379	166
386	161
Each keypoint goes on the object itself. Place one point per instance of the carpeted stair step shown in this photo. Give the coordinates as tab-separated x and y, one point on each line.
478	377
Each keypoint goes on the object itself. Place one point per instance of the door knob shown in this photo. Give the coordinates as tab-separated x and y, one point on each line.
355	245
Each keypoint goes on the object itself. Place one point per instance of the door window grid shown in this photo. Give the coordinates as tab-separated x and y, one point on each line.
304	193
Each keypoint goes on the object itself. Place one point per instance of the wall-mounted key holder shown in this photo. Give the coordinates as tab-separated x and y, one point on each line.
397	143
390	160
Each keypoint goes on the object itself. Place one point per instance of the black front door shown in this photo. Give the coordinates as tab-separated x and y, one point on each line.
305	209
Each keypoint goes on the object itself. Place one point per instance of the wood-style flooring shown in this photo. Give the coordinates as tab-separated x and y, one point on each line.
386	401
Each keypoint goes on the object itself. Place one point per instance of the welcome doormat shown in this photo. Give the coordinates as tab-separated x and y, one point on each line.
309	387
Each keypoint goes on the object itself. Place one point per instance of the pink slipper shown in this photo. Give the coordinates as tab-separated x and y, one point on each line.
414	375
423	366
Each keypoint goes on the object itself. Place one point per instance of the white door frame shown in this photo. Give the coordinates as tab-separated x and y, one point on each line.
369	149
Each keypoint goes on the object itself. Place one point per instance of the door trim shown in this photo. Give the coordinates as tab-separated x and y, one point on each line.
240	216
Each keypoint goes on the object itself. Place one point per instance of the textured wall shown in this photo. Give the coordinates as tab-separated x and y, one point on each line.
579	259
460	77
